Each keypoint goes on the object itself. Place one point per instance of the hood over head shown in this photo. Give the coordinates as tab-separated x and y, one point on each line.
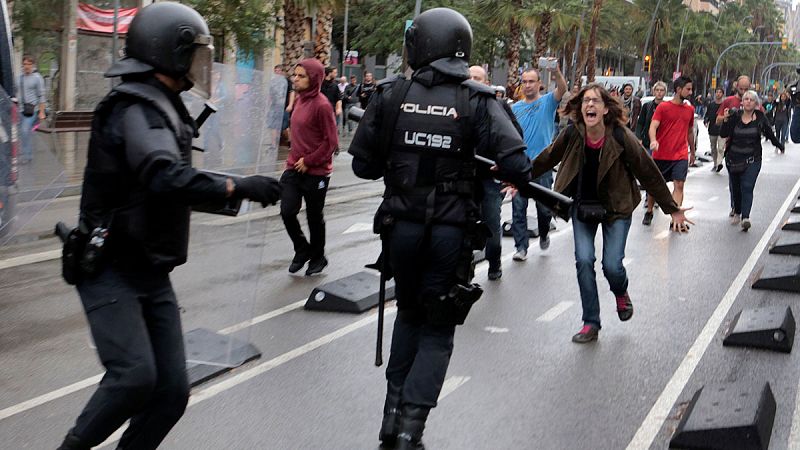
316	73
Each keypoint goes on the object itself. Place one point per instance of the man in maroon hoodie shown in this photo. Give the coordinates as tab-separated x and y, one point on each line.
308	166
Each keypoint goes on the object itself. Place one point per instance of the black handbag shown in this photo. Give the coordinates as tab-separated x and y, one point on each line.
591	211
738	168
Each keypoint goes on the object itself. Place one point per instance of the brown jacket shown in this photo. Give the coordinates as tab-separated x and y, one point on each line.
619	164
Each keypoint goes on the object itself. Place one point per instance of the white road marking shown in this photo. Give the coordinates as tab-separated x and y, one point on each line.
44	398
649	429
626	261
91	381
30	259
494	330
248	374
358	227
713	199
555	311
263	317
450	385
662	235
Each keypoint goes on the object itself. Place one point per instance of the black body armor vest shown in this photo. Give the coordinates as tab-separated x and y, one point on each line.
146	231
430	169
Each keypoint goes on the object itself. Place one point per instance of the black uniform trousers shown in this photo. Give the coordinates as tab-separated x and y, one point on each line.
136	326
313	189
420	351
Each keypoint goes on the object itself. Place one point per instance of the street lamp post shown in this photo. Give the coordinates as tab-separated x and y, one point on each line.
344	41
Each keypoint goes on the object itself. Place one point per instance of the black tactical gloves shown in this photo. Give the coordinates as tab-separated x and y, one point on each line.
259	188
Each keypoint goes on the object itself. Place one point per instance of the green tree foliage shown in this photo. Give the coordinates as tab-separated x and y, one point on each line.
248	21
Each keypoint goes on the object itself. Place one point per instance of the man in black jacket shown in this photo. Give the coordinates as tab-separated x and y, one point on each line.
421	136
136	200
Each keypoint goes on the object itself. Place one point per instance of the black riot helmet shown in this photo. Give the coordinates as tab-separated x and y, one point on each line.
168	38
438	33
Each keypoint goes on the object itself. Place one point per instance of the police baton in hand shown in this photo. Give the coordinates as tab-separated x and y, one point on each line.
558	203
208	109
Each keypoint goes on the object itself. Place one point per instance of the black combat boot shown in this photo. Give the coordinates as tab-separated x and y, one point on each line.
72	442
412	424
391	415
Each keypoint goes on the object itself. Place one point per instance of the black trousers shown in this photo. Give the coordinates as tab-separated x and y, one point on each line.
420	351
136	326
313	189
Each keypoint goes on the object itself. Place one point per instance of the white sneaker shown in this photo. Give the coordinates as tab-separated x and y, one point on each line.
735	219
521	255
746	224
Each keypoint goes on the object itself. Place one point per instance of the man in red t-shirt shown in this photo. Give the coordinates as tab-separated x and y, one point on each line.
671	136
735	100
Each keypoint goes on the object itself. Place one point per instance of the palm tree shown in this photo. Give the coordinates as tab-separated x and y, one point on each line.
294	14
592	42
322	40
511	16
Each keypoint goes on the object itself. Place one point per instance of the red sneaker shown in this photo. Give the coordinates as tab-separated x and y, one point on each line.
587	334
624	307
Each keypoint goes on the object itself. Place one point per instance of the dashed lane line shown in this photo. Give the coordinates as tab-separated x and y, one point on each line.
647	432
450	385
555	311
30	259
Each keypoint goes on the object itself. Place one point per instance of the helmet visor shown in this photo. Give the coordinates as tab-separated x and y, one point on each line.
200	71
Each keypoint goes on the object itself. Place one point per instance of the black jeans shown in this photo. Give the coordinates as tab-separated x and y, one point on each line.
136	326
311	188
420	352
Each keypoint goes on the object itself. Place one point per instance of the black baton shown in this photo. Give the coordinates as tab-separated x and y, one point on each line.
381	306
559	203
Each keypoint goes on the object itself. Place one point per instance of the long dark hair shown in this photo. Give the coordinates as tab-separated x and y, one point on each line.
616	112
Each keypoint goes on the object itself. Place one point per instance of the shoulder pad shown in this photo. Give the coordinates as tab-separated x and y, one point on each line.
478	87
389	80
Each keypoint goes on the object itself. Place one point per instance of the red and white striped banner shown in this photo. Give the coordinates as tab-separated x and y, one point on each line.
92	18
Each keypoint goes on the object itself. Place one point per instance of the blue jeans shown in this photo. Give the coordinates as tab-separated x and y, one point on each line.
26	136
490	213
519	214
782	131
615	235
741	187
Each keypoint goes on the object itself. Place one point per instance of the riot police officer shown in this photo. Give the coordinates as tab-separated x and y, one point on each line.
421	136
138	189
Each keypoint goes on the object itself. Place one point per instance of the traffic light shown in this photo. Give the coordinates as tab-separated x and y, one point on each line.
713	82
647	63
785	43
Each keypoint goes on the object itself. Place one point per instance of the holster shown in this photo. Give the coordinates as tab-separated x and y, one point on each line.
452	308
383	223
74	240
